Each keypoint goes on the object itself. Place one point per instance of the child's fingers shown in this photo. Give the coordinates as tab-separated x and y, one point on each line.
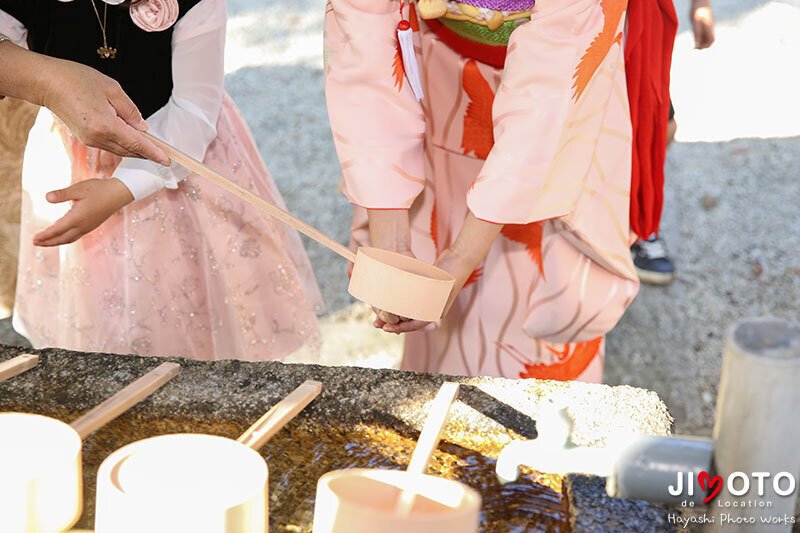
71	235
63	195
405	327
62	231
59	227
389	318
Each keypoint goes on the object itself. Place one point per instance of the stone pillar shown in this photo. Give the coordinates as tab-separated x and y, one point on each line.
757	426
16	119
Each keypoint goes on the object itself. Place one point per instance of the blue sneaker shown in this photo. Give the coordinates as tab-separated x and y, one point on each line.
652	263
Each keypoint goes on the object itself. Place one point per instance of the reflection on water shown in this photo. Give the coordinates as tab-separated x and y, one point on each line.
300	455
302	452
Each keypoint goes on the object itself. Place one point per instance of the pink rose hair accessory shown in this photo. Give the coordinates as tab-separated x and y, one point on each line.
155	15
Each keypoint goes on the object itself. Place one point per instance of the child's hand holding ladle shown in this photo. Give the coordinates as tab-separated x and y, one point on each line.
460	260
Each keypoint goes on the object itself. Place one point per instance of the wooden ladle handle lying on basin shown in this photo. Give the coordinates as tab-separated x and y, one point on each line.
18	365
192	481
123	400
44	479
280	414
273	210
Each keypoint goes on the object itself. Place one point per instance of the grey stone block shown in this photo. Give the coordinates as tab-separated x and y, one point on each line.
363	418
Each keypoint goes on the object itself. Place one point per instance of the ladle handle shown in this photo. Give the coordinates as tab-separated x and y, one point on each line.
18	365
125	399
257	202
428	440
281	414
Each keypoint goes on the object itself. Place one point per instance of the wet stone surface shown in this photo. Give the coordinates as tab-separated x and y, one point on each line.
592	511
363	418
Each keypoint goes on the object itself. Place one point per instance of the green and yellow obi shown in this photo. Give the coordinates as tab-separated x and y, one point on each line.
479	29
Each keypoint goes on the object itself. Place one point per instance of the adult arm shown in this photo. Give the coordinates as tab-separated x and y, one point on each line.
93	106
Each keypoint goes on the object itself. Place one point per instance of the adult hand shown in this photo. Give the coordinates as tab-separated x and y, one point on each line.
93	106
702	18
96	109
93	201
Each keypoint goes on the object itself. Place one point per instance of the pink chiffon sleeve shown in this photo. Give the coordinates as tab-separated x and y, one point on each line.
542	152
13	29
188	121
378	125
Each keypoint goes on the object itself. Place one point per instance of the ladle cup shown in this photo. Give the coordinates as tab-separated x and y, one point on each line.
393	282
392	501
40	459
364	501
194	482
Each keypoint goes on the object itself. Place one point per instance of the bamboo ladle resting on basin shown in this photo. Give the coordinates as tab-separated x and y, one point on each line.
18	365
41	477
389	281
363	500
194	482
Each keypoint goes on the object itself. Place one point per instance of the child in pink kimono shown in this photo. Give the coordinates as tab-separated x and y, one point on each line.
512	172
187	269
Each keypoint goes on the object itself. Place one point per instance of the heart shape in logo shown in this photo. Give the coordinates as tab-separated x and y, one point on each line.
712	485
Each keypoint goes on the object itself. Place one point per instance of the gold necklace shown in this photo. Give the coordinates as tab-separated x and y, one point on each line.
105	51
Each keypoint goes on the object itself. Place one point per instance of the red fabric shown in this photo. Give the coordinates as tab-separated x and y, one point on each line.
652	26
494	56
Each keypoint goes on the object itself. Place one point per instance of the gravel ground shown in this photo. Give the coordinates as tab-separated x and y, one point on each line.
731	218
274	64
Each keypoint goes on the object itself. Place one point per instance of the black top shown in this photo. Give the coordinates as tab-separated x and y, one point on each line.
70	30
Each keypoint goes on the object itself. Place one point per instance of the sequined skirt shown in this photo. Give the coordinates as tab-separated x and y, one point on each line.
193	272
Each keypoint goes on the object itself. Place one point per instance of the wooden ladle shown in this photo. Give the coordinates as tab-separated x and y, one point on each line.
41	484
395	283
362	500
194	482
428	441
17	365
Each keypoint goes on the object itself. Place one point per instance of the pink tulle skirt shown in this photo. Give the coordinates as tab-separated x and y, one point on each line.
192	272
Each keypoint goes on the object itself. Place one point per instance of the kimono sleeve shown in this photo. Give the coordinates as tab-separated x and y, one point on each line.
543	146
378	125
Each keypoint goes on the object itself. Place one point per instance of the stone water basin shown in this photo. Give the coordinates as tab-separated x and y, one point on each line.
363	418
